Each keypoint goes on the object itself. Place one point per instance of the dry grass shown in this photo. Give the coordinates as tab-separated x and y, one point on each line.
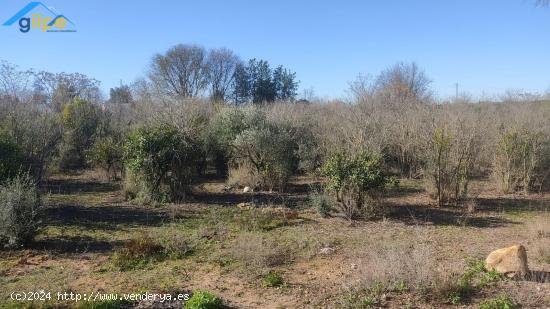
243	176
399	260
258	253
539	232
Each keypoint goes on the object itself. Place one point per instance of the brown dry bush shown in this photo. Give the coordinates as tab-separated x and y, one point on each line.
539	232
242	176
521	161
392	262
258	253
137	253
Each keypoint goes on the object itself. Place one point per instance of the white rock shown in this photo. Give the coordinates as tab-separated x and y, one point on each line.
247	189
326	251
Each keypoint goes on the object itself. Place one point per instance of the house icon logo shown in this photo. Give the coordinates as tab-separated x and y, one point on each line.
37	15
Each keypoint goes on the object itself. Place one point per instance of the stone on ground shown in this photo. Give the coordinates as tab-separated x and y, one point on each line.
509	261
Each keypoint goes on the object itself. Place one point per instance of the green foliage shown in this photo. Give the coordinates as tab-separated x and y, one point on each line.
353	180
37	133
138	253
368	297
11	158
285	84
19	209
321	202
81	120
263	150
165	158
106	153
501	302
259	83
475	277
222	130
273	279
271	151
401	286
203	300
449	165
368	302
489	278
362	171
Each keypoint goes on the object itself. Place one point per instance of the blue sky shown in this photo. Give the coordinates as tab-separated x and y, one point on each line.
486	46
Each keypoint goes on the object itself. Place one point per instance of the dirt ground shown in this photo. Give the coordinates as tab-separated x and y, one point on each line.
86	219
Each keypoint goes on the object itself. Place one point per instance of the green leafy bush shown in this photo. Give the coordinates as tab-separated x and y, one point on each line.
203	300
271	153
474	278
257	151
501	302
354	181
321	202
19	210
222	130
81	120
273	279
165	159
11	159
37	132
106	153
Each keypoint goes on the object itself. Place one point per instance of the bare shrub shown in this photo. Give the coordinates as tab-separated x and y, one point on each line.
392	262
19	210
539	232
539	227
451	154
521	160
541	250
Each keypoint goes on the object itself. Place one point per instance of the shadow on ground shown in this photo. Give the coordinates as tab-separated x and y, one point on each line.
112	217
512	204
259	199
422	215
71	186
537	276
74	244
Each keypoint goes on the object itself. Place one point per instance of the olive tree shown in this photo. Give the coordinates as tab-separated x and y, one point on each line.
354	180
19	210
271	151
165	159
